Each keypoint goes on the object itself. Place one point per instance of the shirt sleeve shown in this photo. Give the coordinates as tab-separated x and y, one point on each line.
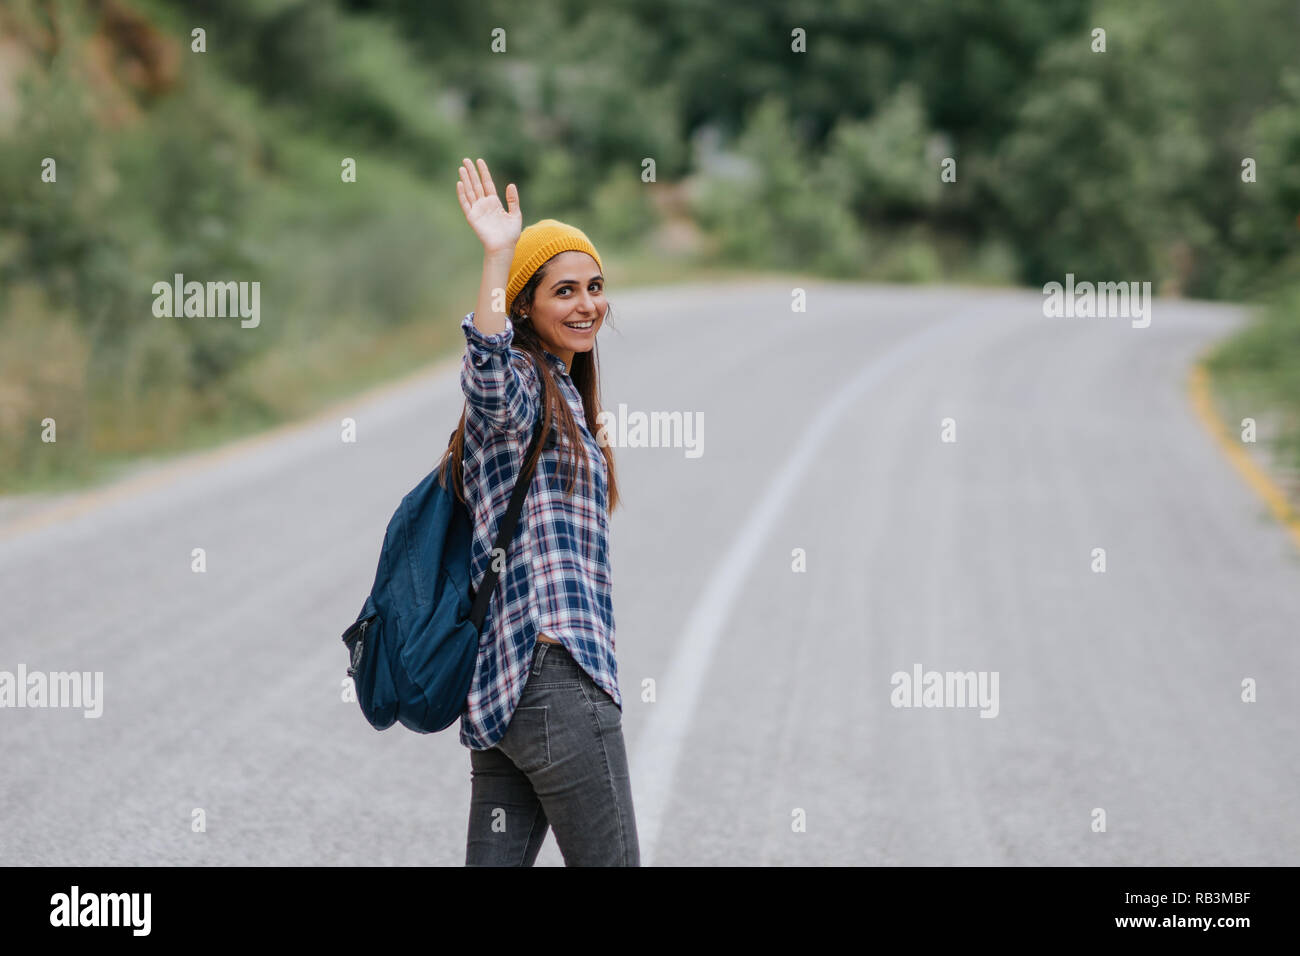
499	382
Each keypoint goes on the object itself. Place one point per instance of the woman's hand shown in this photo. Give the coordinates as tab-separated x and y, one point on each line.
496	227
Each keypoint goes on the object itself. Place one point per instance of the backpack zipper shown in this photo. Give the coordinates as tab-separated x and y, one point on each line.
357	648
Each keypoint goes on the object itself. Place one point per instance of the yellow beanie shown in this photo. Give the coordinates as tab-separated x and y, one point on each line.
537	243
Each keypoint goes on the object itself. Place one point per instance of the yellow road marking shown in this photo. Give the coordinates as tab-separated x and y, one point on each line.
1198	386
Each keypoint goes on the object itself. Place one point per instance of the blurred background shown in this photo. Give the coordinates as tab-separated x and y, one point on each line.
225	164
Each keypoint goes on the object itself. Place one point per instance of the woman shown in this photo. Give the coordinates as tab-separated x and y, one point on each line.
544	716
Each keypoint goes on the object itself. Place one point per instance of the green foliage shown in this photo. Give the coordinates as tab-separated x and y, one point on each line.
1263	359
1266	221
621	211
1089	181
880	167
908	258
775	210
345	76
1123	164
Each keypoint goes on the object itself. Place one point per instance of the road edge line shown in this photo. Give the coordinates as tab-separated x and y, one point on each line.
1198	388
96	497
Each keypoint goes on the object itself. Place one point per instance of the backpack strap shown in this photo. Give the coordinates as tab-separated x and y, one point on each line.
507	530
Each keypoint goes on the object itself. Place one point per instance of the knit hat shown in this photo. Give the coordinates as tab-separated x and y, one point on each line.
537	243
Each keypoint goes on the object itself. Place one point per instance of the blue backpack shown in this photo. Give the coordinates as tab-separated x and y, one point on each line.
414	646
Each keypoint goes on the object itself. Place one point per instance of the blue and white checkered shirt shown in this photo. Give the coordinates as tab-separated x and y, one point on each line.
557	575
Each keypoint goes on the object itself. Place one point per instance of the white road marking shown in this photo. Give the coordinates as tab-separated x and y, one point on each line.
660	742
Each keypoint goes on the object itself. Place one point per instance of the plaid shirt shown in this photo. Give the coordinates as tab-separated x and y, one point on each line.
557	577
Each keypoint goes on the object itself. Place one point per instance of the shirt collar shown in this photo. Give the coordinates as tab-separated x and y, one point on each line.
557	361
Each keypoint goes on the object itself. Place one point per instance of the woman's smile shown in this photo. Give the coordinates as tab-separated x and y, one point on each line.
581	327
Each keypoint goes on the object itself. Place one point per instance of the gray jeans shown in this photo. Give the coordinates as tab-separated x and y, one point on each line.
560	765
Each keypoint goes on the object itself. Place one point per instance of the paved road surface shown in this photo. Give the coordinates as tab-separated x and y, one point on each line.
1118	691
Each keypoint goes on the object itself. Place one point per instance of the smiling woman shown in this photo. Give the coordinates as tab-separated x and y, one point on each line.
565	312
543	718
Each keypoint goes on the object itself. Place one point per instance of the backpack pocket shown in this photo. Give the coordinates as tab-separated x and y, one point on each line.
371	671
355	639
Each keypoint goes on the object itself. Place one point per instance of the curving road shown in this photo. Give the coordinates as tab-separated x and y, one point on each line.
772	738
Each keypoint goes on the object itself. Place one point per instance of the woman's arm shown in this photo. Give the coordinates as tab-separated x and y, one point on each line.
499	383
498	229
501	386
496	273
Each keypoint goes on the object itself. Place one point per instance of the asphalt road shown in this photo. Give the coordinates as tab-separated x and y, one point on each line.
772	739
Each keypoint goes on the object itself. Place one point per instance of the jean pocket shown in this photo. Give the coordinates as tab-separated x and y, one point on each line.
527	741
609	715
597	691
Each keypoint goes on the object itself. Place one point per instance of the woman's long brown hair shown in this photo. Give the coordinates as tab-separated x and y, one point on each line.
585	372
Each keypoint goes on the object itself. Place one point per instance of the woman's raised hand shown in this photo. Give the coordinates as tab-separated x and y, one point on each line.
497	228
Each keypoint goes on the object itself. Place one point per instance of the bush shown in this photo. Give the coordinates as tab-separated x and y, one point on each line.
1264	358
880	166
774	208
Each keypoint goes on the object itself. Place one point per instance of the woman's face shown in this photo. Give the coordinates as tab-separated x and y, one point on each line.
571	293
